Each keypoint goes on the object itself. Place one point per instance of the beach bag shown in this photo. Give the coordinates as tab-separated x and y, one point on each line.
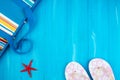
13	15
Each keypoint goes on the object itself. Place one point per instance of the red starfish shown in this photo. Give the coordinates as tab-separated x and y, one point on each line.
28	68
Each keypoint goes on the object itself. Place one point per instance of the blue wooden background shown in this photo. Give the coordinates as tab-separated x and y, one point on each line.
68	30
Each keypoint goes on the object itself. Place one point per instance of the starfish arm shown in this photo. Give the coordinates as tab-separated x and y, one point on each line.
33	68
24	65
30	63
29	73
23	70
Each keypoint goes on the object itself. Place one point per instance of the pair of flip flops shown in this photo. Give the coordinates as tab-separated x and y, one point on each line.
99	70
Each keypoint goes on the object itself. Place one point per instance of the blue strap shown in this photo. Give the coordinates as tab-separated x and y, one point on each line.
19	45
24	39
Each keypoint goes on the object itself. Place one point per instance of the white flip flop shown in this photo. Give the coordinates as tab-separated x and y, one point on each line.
74	71
100	70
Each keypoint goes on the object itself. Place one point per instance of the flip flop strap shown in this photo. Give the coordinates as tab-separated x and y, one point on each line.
29	18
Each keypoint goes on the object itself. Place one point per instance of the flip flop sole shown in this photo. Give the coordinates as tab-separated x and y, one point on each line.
100	70
74	71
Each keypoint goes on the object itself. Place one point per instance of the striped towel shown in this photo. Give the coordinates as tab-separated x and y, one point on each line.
7	25
3	42
29	2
